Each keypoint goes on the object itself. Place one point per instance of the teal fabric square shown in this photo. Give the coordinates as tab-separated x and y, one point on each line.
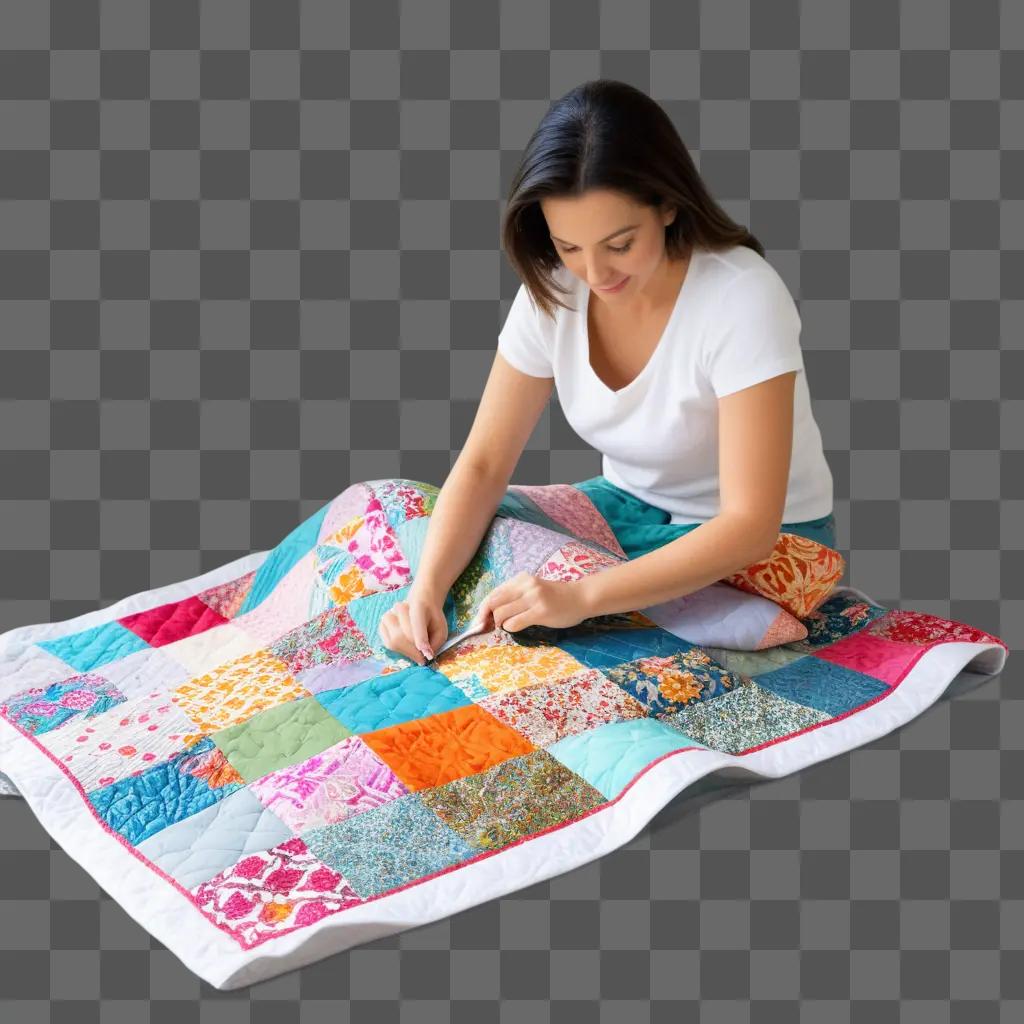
369	609
608	648
109	641
140	806
610	756
411	534
282	558
390	699
818	683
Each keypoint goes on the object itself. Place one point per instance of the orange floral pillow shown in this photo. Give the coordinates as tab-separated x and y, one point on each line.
798	575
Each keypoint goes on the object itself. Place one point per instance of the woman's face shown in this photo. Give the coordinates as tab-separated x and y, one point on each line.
587	234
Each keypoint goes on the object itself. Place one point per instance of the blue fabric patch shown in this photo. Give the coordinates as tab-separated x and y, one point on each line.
140	806
610	756
393	698
411	534
109	641
602	650
817	683
367	611
40	710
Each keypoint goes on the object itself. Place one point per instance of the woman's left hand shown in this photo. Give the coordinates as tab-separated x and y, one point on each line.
527	600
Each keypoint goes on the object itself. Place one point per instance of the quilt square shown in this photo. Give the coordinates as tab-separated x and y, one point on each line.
573	560
432	751
273	892
123	741
872	655
839	615
745	719
279	736
89	649
43	708
371	547
664	684
139	806
197	848
227	598
387	700
573	511
351	502
389	846
234	692
818	683
291	604
750	663
332	637
173	621
548	712
611	756
503	667
207	651
904	625
399	499
144	671
340	562
520	797
336	675
347	778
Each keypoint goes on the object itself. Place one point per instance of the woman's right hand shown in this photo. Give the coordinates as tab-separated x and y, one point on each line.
416	627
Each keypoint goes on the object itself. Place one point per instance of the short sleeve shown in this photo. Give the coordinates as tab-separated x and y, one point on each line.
753	334
524	341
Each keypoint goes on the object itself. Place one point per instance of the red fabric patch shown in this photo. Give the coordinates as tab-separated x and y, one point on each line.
174	621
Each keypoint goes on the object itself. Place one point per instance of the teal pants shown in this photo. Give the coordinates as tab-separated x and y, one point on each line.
641	528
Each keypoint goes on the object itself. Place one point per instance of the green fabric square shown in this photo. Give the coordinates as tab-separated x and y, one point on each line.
278	737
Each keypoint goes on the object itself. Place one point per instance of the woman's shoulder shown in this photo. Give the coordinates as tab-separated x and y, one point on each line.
724	268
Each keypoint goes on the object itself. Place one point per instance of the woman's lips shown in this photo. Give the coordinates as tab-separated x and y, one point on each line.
614	288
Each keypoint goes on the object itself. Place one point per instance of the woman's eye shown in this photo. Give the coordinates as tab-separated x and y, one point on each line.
621	248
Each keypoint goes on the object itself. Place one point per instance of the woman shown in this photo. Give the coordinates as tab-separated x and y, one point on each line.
674	347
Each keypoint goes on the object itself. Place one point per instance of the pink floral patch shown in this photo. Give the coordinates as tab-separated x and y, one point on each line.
266	894
345	779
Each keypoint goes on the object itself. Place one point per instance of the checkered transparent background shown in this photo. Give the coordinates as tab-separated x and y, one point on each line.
249	254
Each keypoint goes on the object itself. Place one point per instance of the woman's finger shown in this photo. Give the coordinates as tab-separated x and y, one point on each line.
510	609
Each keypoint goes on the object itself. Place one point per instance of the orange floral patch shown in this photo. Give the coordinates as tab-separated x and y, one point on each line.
431	751
235	691
503	667
798	575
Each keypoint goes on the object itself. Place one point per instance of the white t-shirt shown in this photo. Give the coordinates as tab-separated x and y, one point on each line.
734	324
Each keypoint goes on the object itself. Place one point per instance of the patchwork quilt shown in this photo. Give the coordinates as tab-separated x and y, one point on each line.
239	762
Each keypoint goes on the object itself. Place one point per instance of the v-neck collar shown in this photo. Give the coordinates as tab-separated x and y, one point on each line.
648	367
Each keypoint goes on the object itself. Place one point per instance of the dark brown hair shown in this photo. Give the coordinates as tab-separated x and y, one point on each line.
607	134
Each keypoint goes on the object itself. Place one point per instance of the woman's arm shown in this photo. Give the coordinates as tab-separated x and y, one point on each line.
510	406
462	513
755	445
715	549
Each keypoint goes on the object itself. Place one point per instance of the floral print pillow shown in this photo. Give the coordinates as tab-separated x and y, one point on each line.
798	575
